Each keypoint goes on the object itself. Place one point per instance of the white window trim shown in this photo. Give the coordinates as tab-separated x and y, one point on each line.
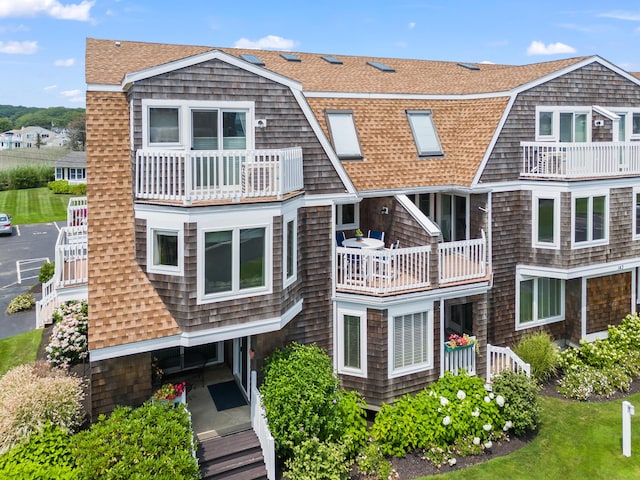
406	310
636	191
537	322
589	194
628	126
411	116
235	223
356	217
555	196
289	217
184	119
555	110
340	338
165	227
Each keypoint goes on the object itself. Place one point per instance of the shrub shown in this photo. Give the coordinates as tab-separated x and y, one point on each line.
46	455
453	407
521	407
152	441
538	350
583	382
316	460
63	187
300	392
33	395
24	301
26	176
352	411
372	464
68	342
47	271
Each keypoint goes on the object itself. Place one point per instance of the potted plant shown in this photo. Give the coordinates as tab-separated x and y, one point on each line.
459	342
358	234
170	392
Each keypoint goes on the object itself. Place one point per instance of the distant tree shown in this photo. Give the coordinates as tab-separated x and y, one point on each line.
78	132
5	124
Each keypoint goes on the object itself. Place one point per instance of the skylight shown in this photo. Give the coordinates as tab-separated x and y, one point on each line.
251	59
290	57
331	59
469	66
343	133
381	66
424	133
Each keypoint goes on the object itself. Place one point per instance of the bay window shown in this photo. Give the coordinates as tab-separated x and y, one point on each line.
540	300
164	249
546	220
351	342
290	255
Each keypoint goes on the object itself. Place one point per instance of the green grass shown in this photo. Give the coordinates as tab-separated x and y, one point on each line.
19	349
34	205
17	157
577	440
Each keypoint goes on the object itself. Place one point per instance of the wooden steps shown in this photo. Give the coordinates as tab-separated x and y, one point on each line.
232	457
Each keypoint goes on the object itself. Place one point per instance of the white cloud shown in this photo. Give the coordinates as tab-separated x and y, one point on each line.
48	88
71	93
411	25
19	48
487	62
269	42
65	62
539	48
620	15
51	8
13	28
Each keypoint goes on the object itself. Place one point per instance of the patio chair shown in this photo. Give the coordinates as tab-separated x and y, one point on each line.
385	265
355	270
340	237
395	245
376	234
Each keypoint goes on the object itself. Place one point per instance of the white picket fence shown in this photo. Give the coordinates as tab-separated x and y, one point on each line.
461	358
259	425
500	359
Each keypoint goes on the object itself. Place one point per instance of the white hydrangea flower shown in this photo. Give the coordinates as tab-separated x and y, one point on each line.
507	425
500	400
444	401
487	399
476	412
488	444
491	395
446	420
476	440
461	395
487	427
452	462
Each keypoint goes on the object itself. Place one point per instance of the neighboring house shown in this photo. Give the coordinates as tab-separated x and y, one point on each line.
226	175
72	167
27	137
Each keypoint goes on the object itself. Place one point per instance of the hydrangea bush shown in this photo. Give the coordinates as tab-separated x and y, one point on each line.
68	343
24	301
605	366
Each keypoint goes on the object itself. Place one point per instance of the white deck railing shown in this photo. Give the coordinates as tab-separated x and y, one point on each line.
259	425
580	160
460	358
46	304
503	358
463	260
217	174
382	271
71	257
77	211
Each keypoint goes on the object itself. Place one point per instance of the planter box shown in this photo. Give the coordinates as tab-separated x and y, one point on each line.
448	348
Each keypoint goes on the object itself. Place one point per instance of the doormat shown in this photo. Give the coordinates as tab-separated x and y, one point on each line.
226	395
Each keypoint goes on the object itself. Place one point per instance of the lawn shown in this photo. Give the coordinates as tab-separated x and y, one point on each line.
19	349
34	205
17	157
577	440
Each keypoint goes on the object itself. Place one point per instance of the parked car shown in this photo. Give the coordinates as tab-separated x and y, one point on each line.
5	224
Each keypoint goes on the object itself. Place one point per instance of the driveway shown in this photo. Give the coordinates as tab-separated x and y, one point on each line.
21	256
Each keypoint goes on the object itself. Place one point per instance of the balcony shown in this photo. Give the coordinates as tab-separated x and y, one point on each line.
403	270
580	160
203	175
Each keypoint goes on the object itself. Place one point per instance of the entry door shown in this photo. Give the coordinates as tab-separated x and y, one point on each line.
452	217
241	362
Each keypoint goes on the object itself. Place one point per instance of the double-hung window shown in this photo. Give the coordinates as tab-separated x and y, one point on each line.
235	262
546	220
636	213
343	134
352	342
589	219
540	301
411	342
424	133
563	124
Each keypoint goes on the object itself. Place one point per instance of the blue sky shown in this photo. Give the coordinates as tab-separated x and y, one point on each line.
42	41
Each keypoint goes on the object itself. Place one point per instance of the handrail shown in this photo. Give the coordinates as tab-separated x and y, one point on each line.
503	358
260	426
462	260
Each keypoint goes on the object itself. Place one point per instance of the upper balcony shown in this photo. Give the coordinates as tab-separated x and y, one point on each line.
204	175
405	270
580	160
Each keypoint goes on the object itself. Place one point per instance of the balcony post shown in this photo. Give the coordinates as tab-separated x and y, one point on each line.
188	179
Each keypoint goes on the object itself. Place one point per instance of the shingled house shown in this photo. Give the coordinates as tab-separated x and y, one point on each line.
508	193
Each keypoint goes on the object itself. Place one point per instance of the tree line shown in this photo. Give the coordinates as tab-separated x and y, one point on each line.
52	118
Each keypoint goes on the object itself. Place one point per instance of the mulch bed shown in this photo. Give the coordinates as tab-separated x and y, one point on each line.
413	465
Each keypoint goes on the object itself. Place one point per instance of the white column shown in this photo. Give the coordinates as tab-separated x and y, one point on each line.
627	411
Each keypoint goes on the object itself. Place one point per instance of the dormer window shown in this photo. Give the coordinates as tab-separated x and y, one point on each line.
343	134
563	124
424	133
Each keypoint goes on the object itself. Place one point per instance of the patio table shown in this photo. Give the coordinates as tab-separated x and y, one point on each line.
368	243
